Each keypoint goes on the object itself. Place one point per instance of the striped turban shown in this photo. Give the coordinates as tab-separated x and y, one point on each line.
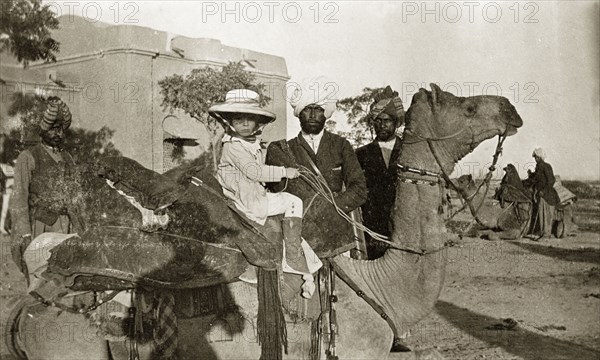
388	103
57	112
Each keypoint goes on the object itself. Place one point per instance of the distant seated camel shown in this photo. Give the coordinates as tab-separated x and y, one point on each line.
510	217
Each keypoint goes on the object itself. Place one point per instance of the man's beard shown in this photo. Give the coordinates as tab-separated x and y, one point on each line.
55	141
312	128
385	135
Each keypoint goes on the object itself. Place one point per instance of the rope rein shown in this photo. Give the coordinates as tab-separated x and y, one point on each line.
319	184
469	199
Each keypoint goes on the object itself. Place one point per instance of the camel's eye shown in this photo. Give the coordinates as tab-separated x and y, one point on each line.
470	110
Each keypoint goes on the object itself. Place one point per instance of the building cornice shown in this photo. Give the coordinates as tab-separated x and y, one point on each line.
78	58
44	86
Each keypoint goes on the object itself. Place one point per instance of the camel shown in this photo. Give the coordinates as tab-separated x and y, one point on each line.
405	285
406	282
440	130
506	221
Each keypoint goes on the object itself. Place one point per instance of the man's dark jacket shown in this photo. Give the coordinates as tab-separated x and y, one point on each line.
381	184
542	181
337	162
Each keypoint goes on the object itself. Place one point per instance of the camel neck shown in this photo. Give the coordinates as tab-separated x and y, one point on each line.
417	222
478	197
417	155
399	277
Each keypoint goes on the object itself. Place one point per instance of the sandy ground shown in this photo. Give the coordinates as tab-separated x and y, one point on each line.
518	300
502	300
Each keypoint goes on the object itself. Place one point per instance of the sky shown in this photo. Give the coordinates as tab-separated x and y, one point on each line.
544	56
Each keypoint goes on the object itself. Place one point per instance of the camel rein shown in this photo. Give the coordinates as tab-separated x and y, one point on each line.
488	176
444	175
319	184
316	180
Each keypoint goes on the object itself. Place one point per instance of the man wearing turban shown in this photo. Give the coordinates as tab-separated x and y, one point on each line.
378	162
32	215
545	197
321	151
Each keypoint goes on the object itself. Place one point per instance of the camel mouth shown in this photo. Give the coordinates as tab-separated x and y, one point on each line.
510	130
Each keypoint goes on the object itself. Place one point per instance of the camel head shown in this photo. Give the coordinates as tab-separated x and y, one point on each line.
466	183
454	125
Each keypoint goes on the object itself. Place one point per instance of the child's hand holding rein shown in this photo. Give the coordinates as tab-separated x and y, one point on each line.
292	173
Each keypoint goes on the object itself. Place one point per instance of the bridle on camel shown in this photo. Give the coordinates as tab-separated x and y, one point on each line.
316	180
468	199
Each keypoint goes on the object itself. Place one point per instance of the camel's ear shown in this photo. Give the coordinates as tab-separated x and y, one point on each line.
436	94
470	177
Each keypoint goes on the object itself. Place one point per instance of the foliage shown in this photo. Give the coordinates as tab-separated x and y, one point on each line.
356	109
582	190
25	27
203	87
358	135
12	145
85	144
30	109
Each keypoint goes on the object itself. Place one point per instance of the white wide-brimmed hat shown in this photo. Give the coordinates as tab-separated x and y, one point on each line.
242	101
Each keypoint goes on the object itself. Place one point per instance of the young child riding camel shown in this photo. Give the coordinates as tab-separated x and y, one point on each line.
242	174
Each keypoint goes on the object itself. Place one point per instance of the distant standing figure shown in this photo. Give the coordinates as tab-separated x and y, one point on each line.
545	197
31	214
378	160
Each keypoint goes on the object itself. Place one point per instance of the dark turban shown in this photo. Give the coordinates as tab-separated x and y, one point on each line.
387	102
57	112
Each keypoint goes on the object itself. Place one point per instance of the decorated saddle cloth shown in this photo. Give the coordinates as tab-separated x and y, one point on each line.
206	241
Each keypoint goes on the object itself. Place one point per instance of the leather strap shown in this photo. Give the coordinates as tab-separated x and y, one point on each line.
378	308
311	163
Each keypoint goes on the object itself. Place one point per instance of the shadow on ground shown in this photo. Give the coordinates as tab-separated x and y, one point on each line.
519	342
586	255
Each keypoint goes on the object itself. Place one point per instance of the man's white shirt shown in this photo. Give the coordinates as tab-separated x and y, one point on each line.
313	140
386	149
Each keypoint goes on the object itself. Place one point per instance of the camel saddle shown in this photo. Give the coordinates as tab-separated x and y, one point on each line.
206	242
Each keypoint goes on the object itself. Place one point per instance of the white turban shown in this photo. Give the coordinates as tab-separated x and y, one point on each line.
319	91
539	153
